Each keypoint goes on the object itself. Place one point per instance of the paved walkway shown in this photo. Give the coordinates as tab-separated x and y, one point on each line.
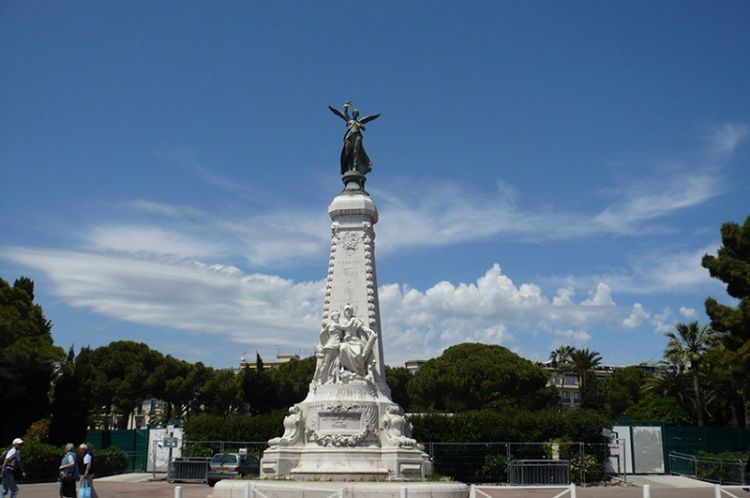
112	488
662	482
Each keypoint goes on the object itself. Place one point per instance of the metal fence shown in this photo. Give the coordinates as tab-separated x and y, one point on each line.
719	470
539	472
489	462
467	462
188	469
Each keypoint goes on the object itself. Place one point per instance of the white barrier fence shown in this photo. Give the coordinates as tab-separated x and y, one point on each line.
720	491
569	490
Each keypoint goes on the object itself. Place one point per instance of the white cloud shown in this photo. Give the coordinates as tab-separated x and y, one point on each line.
602	296
664	321
724	139
151	239
577	337
637	316
687	312
183	295
267	310
658	197
651	273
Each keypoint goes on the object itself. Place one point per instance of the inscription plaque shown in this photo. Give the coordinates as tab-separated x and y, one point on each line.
340	422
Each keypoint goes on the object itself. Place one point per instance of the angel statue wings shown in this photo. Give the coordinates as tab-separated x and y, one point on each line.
354	159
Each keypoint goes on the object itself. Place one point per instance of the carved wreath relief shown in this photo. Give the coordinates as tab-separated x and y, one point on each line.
343	425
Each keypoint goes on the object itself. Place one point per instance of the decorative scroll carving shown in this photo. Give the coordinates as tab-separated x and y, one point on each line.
396	429
292	429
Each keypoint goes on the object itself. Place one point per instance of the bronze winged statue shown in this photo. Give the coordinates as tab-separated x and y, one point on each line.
354	159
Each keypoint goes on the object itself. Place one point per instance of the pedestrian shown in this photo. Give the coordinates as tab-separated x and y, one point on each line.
12	468
87	472
68	472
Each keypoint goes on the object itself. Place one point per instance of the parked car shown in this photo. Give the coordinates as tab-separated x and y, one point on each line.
231	465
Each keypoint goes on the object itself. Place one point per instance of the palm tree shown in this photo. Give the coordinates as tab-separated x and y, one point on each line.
667	381
560	357
583	361
687	344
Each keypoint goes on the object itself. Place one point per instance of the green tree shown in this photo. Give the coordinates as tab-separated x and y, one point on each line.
687	345
731	265
28	358
474	376
667	410
621	390
120	377
258	388
71	402
560	357
291	381
222	392
397	379
582	362
667	381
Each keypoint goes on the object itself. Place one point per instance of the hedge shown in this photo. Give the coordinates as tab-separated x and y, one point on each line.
510	425
41	461
235	427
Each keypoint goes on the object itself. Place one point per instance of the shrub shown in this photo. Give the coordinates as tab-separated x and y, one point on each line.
495	468
110	461
592	468
726	467
41	461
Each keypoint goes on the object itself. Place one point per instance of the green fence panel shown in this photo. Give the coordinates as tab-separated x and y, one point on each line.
141	450
691	440
133	442
98	439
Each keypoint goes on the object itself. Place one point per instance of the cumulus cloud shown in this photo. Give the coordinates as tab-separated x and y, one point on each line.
266	310
687	312
636	317
602	296
663	321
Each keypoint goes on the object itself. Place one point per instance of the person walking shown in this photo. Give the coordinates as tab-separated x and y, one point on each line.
87	471
12	468
68	472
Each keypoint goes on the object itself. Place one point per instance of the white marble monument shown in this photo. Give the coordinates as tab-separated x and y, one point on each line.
348	428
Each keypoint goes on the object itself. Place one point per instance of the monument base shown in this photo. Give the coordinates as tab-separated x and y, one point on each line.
231	488
345	432
350	464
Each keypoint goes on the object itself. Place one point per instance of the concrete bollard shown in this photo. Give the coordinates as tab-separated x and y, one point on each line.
404	492
572	490
717	491
473	491
178	492
646	491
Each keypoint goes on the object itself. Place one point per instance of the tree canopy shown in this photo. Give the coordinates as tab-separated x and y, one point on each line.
731	265
28	358
473	376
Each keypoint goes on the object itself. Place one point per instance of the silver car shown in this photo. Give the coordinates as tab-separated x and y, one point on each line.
231	465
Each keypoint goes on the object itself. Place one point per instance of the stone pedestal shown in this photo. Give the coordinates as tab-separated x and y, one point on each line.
348	428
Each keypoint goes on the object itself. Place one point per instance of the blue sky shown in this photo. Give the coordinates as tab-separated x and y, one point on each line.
547	173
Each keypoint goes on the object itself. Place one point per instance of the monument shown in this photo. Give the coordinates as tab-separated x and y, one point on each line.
348	428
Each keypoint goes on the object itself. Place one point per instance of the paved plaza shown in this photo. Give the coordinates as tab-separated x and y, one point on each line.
161	489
